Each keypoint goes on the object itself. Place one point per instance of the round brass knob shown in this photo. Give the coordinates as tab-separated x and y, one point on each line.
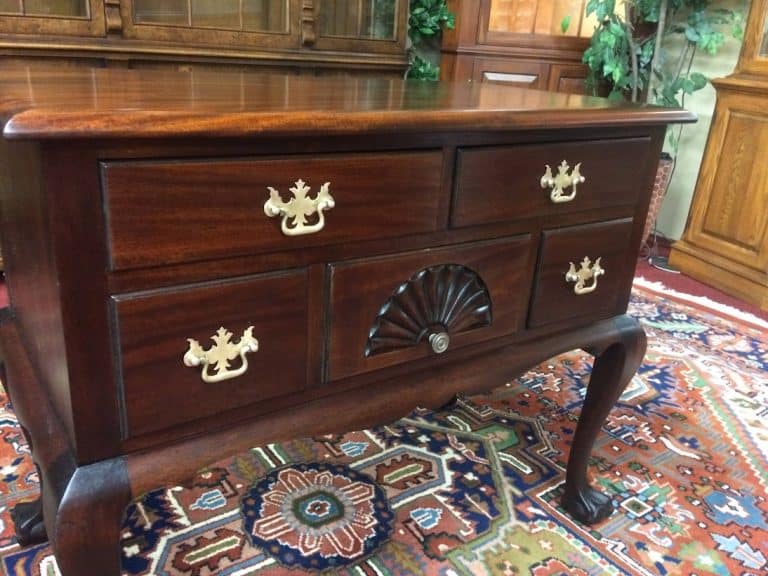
439	342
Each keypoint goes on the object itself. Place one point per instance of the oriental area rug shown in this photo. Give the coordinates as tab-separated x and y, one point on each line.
474	489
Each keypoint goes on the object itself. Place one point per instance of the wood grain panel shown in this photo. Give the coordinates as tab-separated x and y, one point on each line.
165	212
159	391
503	183
554	299
736	212
567	78
360	288
725	243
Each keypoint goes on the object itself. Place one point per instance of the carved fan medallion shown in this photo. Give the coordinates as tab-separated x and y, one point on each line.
437	302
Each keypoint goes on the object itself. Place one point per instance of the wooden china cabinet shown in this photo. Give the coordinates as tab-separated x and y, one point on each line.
310	34
519	43
725	243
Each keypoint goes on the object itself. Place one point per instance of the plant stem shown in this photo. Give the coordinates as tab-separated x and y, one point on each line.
656	61
681	61
632	50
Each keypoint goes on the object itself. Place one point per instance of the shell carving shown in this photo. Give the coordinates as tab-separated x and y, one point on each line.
448	298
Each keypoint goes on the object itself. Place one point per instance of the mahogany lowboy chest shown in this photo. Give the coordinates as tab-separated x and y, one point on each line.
199	264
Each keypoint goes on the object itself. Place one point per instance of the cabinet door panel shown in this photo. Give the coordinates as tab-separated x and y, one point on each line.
567	78
266	24
60	17
360	25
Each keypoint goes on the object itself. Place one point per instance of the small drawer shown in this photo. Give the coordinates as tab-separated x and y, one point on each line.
569	287
503	183
161	386
181	211
394	309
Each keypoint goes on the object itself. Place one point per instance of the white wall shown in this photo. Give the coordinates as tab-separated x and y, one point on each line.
674	210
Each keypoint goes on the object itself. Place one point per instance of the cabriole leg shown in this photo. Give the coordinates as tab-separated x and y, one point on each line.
613	369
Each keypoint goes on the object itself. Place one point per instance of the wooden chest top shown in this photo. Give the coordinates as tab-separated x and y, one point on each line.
50	103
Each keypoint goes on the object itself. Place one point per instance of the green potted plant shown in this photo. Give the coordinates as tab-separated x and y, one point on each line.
645	52
426	20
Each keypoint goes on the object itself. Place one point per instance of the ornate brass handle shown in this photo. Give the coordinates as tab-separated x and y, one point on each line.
584	274
563	180
216	360
299	207
439	342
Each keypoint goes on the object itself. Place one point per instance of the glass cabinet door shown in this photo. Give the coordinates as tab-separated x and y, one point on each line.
503	20
243	23
66	17
371	25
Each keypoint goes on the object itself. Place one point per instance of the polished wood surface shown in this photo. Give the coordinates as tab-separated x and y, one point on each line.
152	336
555	300
136	104
725	243
485	193
359	289
167	212
120	198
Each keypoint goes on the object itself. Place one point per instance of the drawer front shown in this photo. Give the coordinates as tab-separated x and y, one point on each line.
168	212
160	387
564	251
384	310
505	183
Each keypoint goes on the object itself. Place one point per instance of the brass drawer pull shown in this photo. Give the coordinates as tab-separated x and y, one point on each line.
299	207
216	360
588	271
563	180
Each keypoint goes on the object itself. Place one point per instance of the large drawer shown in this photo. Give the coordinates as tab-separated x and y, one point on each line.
153	332
178	211
500	183
385	310
562	265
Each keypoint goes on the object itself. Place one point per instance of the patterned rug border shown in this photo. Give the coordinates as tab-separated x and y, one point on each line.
711	305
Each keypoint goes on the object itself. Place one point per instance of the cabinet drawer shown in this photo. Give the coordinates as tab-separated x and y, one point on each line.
505	183
167	212
384	310
555	296
153	331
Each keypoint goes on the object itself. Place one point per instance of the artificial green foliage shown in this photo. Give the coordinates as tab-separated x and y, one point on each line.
421	69
425	24
427	18
630	55
565	24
